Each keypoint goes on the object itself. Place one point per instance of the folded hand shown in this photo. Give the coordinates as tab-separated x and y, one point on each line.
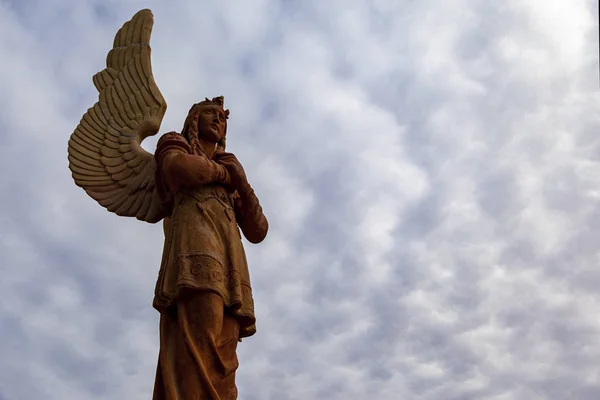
234	167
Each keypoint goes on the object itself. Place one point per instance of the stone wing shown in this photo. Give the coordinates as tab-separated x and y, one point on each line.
105	155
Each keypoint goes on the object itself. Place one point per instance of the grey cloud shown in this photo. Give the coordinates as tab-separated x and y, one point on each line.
429	172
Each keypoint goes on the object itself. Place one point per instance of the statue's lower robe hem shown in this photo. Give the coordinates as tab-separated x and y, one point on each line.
198	343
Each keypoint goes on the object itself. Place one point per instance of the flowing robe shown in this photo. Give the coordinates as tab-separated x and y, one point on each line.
203	290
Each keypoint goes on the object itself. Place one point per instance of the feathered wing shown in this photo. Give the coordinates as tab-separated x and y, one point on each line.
105	156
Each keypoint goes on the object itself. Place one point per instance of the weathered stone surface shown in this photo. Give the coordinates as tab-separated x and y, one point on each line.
201	193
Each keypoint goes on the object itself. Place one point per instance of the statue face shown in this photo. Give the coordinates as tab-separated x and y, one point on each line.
211	122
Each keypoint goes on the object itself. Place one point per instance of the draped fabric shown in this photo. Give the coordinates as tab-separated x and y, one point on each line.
198	342
203	251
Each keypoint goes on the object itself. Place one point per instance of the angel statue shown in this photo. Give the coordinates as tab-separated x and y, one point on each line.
201	194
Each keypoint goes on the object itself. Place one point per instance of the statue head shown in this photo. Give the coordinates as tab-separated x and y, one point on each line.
207	121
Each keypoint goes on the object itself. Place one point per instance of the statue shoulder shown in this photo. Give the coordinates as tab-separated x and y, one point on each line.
169	141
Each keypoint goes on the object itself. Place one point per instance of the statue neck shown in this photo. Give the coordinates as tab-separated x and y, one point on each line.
207	147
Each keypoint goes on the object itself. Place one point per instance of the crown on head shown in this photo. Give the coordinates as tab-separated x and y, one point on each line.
220	101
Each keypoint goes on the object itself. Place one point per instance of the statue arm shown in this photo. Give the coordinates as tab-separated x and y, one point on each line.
250	216
182	169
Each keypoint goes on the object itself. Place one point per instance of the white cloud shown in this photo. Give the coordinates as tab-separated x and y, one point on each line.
429	170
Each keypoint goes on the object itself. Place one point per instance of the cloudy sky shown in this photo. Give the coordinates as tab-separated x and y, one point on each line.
430	170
